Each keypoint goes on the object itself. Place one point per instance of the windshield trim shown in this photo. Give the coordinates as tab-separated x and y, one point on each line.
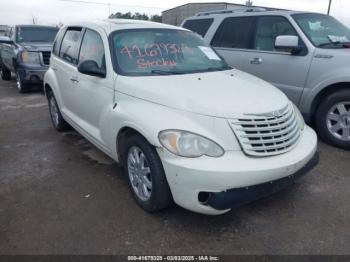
119	71
308	37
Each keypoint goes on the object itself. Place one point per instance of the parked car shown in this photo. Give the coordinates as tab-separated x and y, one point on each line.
26	53
306	55
183	124
3	38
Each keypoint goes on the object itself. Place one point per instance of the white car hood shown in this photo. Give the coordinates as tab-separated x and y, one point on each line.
226	94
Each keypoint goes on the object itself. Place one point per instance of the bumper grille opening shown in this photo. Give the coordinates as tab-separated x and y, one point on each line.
263	135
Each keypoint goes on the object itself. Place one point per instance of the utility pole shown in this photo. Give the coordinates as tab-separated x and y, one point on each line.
329	7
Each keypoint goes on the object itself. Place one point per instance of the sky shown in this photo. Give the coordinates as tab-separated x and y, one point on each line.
54	12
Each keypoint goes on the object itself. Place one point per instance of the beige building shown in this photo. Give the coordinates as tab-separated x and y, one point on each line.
176	15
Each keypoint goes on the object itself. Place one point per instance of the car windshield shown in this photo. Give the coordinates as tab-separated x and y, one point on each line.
36	34
163	52
323	31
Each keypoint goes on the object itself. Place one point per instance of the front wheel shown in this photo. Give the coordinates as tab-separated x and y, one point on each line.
145	174
333	119
21	85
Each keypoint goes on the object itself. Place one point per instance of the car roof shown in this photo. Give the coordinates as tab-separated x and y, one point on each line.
232	13
110	25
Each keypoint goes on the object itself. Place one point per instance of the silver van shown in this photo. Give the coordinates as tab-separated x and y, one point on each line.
306	55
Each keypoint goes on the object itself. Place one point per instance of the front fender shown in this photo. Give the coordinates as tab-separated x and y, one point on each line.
320	83
149	119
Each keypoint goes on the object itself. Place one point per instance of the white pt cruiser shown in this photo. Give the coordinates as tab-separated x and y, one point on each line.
186	127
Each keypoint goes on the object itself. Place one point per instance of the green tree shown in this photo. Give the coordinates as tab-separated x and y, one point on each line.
156	18
137	16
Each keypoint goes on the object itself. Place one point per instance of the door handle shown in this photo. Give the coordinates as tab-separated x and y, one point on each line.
256	61
54	69
74	79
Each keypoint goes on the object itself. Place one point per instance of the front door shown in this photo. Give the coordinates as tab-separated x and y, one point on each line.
286	71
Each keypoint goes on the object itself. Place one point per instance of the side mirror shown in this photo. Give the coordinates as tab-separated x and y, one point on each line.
90	67
288	42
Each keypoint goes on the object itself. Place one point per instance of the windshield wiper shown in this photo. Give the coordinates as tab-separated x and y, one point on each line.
164	72
337	43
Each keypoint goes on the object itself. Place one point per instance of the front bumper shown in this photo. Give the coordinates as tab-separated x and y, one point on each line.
239	196
32	74
187	177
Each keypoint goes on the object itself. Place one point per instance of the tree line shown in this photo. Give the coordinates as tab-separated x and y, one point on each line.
137	16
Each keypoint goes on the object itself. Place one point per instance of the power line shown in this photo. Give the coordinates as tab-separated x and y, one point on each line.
110	4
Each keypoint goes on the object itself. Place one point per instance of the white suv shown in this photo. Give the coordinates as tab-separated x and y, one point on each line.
306	55
186	127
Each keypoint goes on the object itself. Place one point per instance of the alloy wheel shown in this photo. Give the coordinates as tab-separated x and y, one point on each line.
139	173
18	82
54	111
338	121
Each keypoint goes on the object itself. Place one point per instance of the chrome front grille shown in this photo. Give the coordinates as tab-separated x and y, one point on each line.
267	134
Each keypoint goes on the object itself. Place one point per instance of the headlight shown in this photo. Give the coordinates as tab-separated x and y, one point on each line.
30	58
299	117
187	144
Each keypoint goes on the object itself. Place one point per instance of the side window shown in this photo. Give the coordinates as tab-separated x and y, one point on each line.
57	43
199	26
234	32
92	48
69	46
268	28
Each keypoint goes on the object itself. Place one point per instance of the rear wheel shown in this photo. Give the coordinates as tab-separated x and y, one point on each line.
21	85
145	174
56	117
5	73
333	119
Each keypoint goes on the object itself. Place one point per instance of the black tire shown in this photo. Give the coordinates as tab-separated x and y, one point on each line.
160	195
322	122
5	74
57	120
22	87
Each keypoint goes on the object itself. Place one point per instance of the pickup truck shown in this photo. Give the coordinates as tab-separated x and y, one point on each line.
26	52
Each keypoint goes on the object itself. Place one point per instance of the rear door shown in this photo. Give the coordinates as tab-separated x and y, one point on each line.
287	72
94	95
65	66
233	40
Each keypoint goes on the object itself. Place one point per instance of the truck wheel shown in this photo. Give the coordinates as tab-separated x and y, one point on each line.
145	174
56	117
5	73
21	86
333	119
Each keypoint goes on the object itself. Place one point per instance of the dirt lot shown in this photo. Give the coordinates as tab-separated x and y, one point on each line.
60	195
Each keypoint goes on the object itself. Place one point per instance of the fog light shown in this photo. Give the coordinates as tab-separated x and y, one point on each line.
203	197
